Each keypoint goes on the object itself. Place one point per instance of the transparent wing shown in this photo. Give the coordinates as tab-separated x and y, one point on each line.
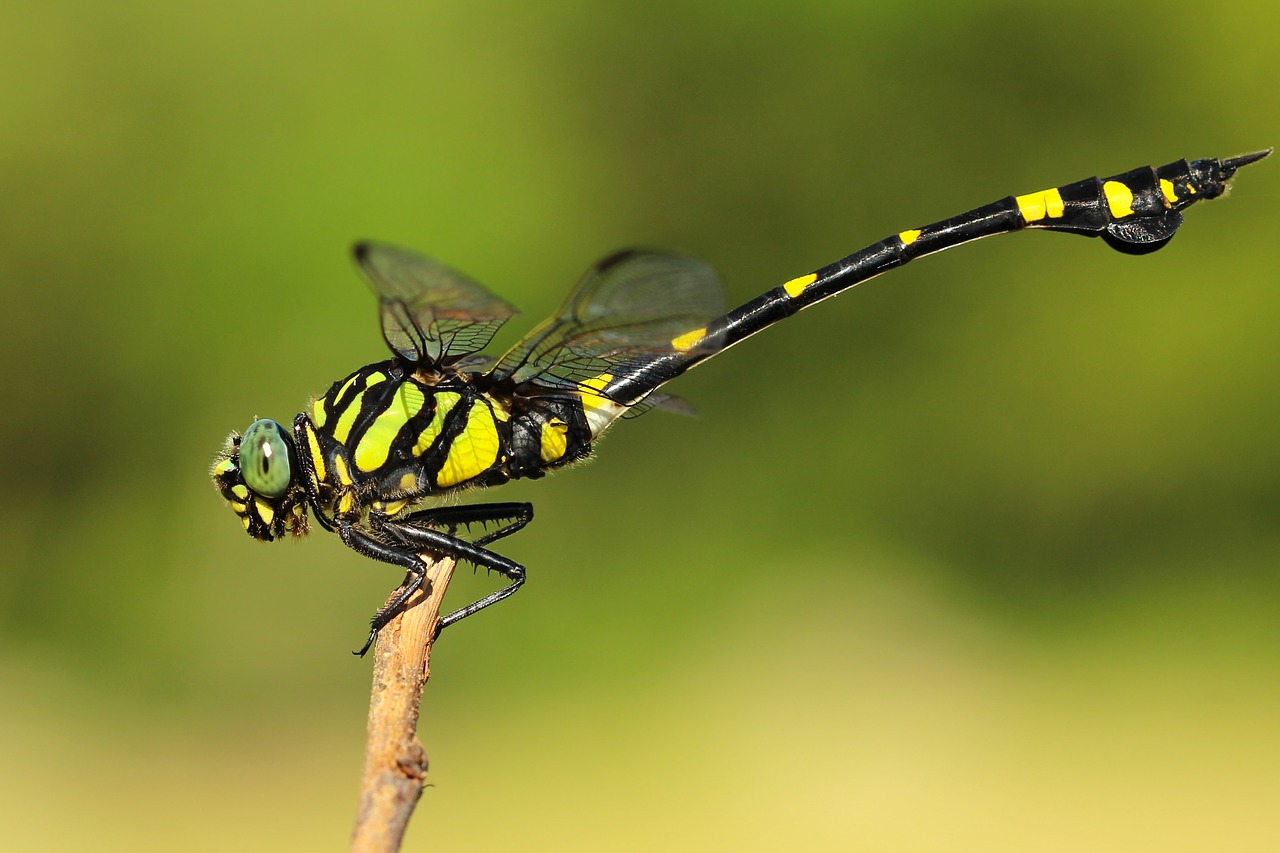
430	313
625	312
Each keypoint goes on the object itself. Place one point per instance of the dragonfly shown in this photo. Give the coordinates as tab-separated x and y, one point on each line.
377	457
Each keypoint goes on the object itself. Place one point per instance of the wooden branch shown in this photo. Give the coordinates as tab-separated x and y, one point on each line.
395	764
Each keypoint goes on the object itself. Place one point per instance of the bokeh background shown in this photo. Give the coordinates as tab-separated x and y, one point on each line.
982	556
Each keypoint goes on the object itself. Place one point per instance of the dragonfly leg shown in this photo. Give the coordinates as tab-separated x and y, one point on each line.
510	517
414	533
367	546
402	539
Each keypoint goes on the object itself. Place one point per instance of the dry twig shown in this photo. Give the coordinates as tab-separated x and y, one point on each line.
395	764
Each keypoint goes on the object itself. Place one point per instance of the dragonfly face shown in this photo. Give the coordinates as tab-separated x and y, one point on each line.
440	417
256	473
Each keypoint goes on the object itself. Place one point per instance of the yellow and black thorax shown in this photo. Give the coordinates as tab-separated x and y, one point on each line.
383	438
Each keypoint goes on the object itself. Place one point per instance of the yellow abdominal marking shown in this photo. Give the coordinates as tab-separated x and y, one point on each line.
1036	206
909	237
686	342
473	451
796	286
1170	193
554	440
600	410
1119	199
590	398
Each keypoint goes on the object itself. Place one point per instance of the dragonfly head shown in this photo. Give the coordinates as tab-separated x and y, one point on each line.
257	474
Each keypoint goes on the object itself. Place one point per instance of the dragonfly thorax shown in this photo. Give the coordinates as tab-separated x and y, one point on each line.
386	437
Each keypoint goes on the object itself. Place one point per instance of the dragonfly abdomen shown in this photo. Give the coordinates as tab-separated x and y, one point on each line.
1135	212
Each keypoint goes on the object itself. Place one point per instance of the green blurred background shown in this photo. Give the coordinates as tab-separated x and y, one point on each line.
980	557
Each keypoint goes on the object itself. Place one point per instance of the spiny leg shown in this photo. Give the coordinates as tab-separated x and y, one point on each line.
450	518
413	532
416	534
367	546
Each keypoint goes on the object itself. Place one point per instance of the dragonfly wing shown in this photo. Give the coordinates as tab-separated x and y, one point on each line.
430	313
628	310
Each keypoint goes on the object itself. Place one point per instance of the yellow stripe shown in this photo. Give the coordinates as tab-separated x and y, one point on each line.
317	412
473	451
796	286
238	507
340	468
242	492
347	420
1119	199
1170	193
909	237
591	399
445	401
265	512
599	410
499	410
375	445
343	390
555	439
391	508
374	378
317	457
686	342
346	503
1038	205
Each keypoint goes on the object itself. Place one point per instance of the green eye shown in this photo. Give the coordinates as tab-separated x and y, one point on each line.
264	458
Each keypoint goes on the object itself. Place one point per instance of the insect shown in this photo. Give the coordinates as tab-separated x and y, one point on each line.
438	417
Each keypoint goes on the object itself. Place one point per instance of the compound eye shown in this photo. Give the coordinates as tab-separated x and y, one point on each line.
264	458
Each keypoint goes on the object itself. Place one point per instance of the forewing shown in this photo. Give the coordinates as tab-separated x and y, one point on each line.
627	310
430	313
